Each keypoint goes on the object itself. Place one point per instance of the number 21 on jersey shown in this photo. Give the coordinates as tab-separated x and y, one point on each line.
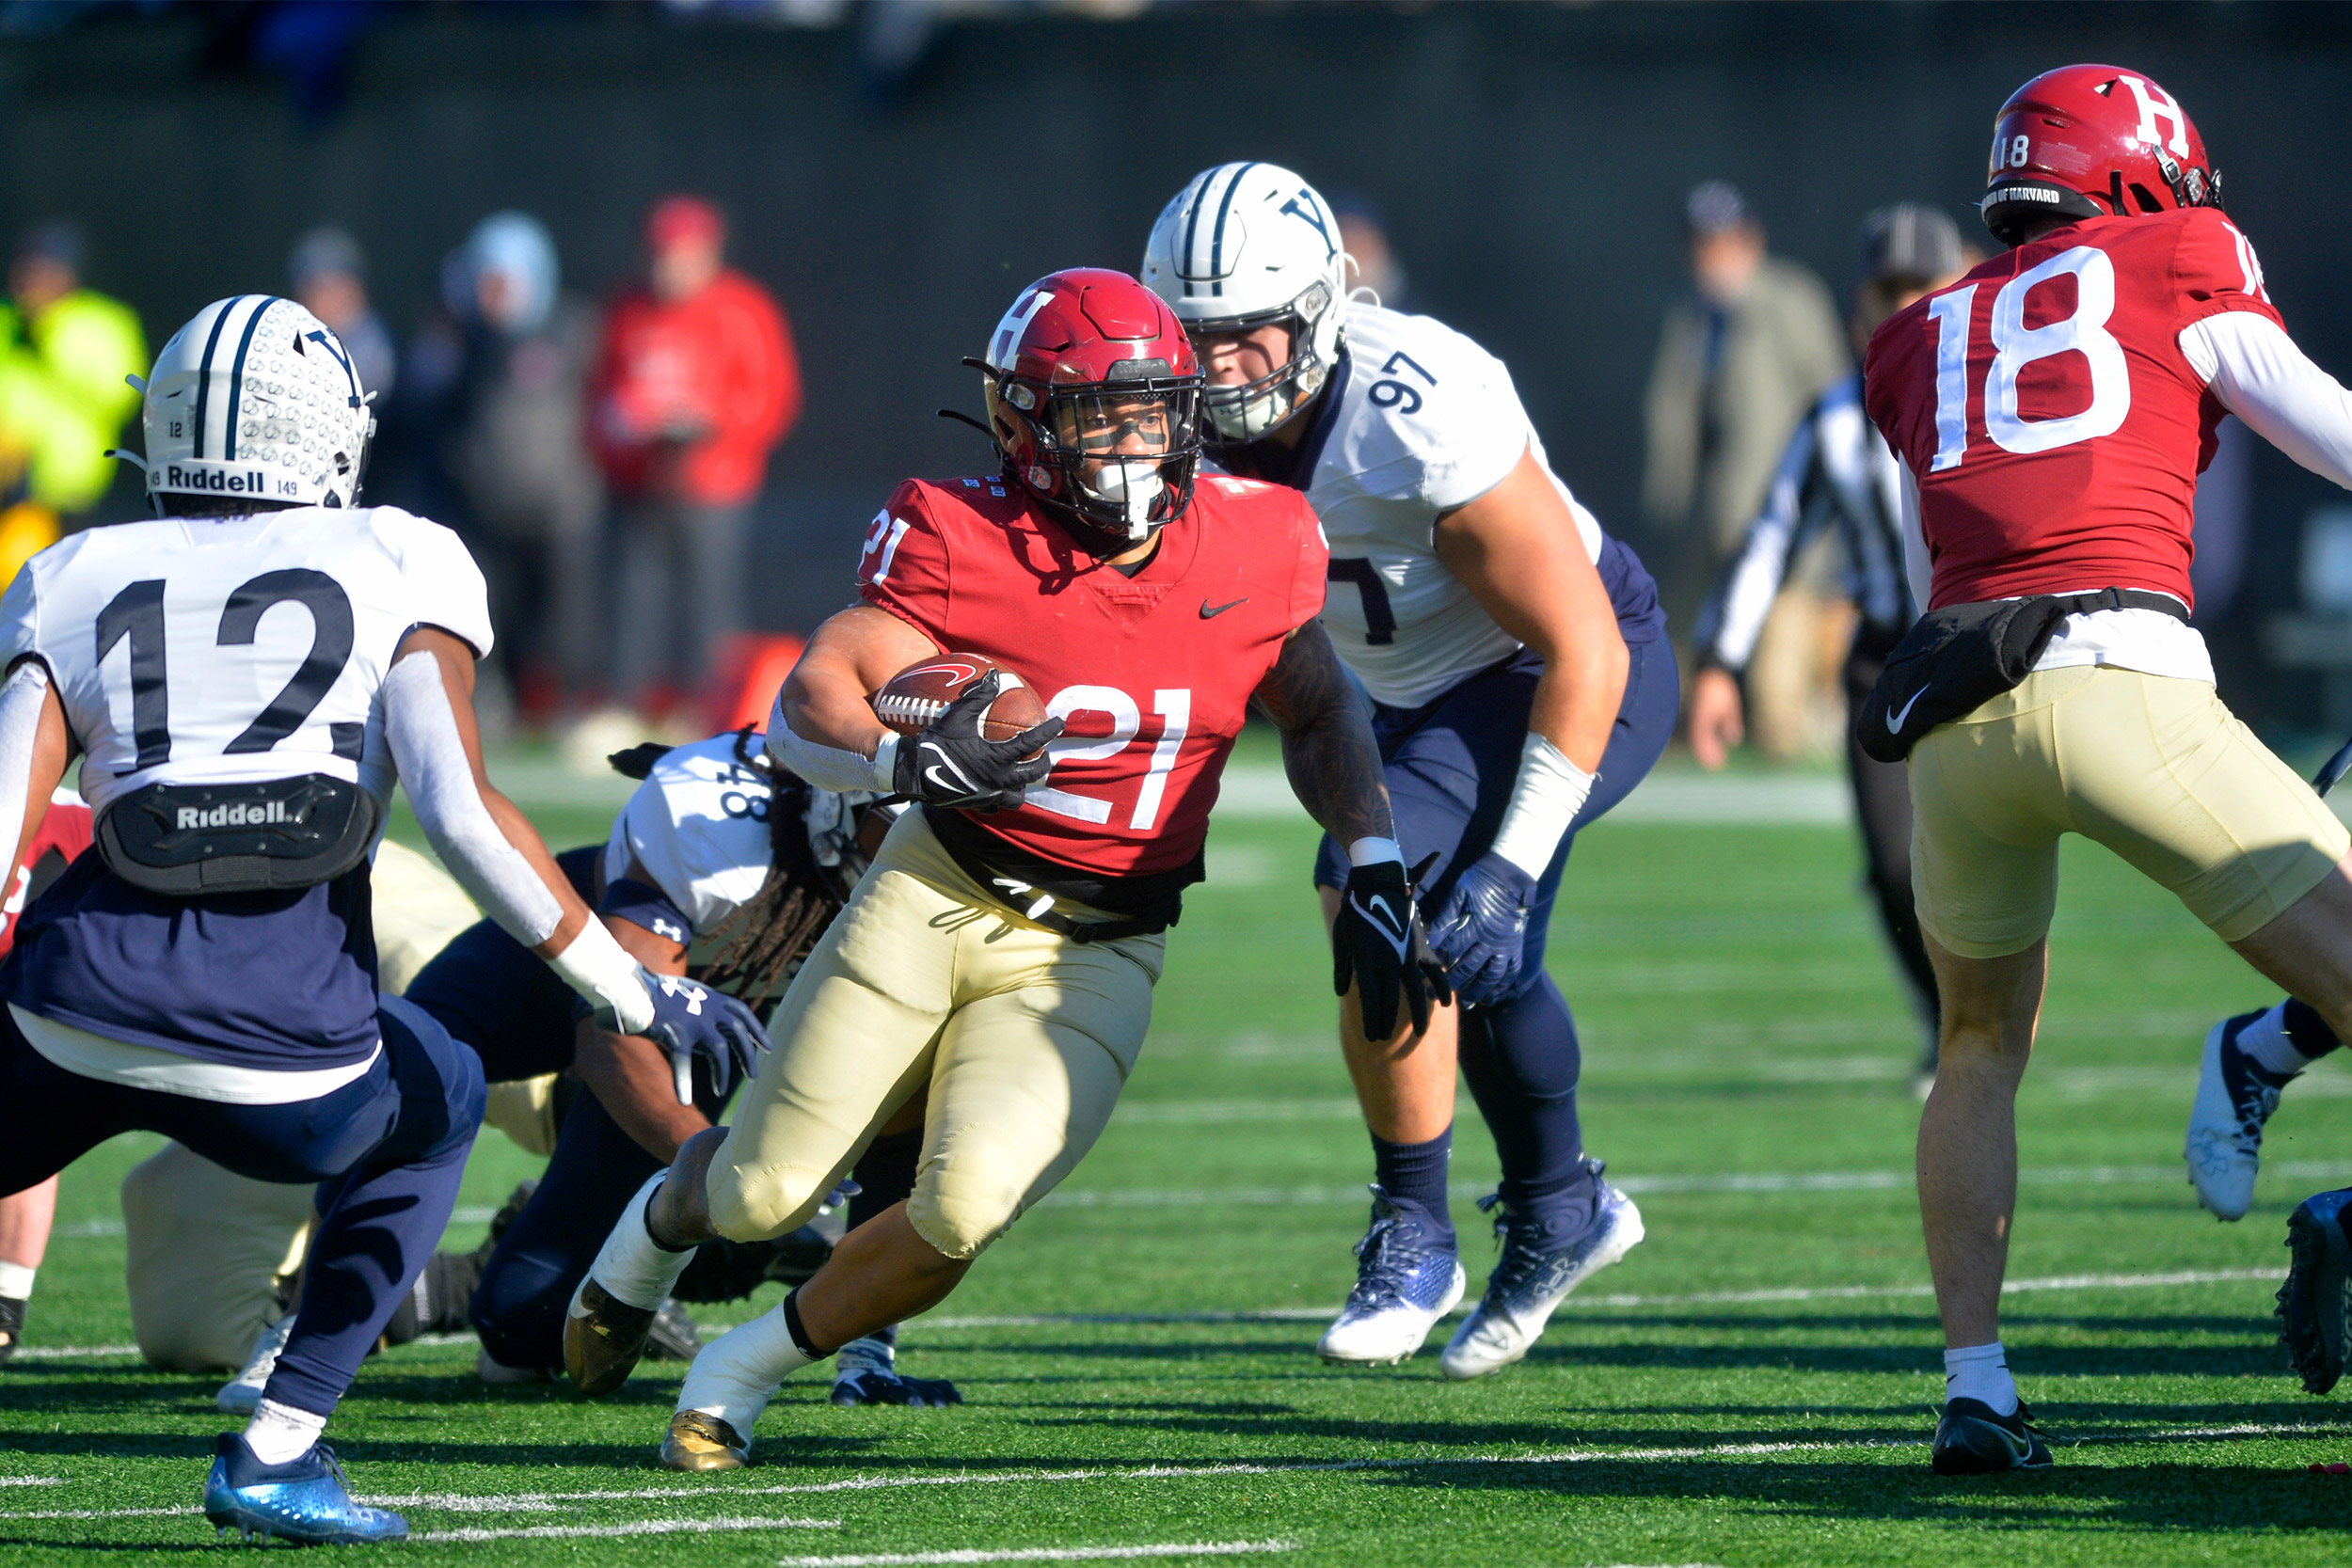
2016	346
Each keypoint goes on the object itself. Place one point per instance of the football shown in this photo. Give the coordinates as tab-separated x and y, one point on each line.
919	694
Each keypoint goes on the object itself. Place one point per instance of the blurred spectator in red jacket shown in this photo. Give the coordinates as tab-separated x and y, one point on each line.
697	382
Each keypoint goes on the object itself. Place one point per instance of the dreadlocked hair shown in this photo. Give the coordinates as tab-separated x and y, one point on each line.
778	925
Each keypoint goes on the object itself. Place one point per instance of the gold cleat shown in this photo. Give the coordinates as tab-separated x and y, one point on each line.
604	1337
700	1442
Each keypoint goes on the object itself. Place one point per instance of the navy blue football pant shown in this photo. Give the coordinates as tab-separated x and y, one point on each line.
388	1151
1450	765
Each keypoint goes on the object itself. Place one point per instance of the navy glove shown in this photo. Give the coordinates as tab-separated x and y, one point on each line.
692	1019
1481	929
953	763
1378	941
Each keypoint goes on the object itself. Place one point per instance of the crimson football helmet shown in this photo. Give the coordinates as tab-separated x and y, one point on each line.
2090	141
1094	403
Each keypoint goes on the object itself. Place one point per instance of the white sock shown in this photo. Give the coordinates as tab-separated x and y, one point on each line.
2264	1043
736	1374
280	1434
1981	1372
630	1266
16	1282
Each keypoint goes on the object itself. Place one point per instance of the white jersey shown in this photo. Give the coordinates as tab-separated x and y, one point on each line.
697	828
1425	420
226	650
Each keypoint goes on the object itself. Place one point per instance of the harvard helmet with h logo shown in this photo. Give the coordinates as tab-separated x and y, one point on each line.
2093	141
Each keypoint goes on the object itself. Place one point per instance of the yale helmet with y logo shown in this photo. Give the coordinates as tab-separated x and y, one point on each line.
256	398
1248	245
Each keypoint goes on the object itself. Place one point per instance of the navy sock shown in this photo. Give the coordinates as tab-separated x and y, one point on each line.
1522	1061
1417	1172
2307	1031
885	1175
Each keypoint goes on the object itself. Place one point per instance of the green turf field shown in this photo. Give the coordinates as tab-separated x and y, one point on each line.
1754	1385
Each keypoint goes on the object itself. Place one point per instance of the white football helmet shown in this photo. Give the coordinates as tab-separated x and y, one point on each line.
255	396
1244	245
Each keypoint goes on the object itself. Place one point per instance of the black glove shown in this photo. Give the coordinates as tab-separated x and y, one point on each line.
1378	941
692	1019
952	763
1479	929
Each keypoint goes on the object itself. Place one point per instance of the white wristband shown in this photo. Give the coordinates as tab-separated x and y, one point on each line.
596	966
1550	791
1372	851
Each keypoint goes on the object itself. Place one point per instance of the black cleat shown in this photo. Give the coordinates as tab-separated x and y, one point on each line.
11	1325
673	1336
1971	1440
2312	1303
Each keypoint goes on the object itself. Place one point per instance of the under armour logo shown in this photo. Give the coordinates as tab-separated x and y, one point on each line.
693	995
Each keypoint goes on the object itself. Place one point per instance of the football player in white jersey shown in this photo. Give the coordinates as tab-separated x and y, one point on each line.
244	679
1521	685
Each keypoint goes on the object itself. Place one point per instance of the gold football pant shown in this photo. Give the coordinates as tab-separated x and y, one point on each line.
1019	1039
2152	767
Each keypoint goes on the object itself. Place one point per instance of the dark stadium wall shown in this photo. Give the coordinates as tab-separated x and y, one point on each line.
1530	161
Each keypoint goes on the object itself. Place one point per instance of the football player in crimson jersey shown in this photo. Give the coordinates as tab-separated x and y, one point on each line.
24	1217
2054	407
1522	685
999	955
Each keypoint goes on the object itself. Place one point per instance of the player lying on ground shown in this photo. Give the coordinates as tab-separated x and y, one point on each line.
1838	471
2053	408
206	975
996	964
1521	686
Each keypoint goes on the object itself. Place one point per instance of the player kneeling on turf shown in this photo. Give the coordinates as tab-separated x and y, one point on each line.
207	973
996	964
2054	407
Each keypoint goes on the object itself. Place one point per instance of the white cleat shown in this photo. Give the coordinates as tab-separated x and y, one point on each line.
1403	1287
1530	1283
242	1394
2225	1122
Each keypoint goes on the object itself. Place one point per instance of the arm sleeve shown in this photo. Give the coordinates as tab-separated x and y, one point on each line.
445	587
21	699
1312	579
20	618
2259	375
1732	620
904	568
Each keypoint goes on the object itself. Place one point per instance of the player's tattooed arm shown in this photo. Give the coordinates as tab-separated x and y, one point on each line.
1328	746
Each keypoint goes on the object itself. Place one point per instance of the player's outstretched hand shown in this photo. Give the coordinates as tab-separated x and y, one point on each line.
1378	941
692	1019
1481	929
954	764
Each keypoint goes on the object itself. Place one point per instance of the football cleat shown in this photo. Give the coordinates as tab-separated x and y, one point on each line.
672	1335
1970	1440
699	1442
1530	1281
604	1338
1404	1284
2314	1302
2234	1098
243	1393
11	1325
500	1375
865	1371
305	1500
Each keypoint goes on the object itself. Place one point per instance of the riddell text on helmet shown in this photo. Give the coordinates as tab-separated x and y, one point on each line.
254	484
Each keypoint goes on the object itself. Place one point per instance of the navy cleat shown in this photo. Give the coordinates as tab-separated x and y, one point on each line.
2234	1098
305	1500
1531	1281
865	1371
1970	1440
2314	1302
1406	1280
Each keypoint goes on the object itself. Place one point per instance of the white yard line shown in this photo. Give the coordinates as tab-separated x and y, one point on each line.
636	1527
1046	1554
32	1480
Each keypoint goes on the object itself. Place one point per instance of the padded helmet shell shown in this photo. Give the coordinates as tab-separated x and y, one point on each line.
2093	141
255	396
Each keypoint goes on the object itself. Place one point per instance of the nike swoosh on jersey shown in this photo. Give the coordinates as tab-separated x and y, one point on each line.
1209	612
1895	720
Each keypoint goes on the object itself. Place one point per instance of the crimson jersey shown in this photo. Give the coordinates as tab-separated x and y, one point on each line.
2044	407
64	833
1152	674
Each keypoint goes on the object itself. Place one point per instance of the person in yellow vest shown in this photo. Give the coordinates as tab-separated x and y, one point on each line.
64	353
